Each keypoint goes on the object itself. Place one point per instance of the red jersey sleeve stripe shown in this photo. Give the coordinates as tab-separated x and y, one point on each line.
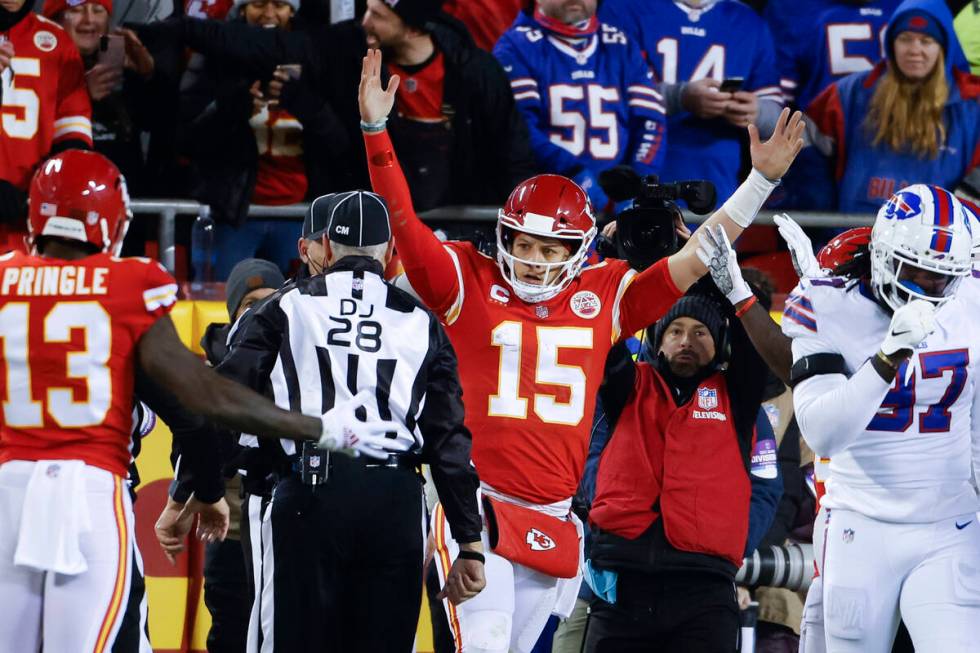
73	125
161	297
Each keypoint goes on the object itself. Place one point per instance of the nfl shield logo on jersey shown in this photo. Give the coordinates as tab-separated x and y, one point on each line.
707	398
848	535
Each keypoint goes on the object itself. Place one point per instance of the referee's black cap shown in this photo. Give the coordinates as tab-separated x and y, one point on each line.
356	218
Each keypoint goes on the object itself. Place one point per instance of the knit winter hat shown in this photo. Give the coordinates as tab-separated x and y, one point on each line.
919	22
703	309
415	13
238	4
246	276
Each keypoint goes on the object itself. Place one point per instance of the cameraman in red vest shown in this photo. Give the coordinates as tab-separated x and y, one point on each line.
671	511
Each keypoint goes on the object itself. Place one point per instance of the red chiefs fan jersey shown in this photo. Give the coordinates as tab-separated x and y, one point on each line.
69	331
531	372
281	175
214	9
45	99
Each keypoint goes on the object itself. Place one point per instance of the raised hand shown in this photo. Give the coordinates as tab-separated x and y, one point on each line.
375	101
774	157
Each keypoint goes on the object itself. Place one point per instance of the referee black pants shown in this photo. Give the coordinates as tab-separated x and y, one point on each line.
666	613
346	572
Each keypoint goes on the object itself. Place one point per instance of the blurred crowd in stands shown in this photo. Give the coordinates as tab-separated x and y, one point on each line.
236	102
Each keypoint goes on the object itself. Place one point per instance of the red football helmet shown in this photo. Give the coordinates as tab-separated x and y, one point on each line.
79	195
840	250
549	206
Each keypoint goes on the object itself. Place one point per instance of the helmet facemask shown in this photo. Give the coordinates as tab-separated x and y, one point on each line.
557	275
887	265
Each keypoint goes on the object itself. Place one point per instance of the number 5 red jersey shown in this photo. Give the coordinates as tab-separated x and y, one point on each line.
45	99
69	331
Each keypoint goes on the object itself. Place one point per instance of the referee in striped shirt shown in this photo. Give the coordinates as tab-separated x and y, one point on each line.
344	538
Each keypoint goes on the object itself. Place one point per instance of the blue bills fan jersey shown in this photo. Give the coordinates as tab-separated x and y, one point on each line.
719	40
590	102
846	38
912	461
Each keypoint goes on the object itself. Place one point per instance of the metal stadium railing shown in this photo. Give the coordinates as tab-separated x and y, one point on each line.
168	210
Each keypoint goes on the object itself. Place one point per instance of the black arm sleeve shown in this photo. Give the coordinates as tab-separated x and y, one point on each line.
617	383
195	442
448	441
255	346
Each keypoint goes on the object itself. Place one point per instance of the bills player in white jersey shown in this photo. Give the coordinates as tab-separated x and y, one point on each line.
884	366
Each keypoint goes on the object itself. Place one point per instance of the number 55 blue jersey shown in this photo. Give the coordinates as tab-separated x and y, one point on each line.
589	102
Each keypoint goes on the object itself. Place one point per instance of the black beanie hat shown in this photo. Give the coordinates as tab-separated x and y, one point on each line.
703	309
246	276
415	13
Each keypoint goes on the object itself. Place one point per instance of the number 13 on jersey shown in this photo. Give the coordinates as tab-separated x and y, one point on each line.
515	359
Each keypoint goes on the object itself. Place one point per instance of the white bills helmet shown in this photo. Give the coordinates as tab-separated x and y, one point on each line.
923	227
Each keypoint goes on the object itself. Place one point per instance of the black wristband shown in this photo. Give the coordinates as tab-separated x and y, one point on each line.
472	555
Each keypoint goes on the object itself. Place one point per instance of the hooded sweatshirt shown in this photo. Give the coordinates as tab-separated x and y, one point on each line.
867	174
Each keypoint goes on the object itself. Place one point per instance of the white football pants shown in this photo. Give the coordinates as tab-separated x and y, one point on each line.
511	611
877	572
80	612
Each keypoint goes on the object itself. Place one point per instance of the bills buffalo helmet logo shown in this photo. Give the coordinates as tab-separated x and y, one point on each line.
707	398
538	541
903	206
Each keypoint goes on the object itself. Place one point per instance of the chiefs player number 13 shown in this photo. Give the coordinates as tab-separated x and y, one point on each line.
20	409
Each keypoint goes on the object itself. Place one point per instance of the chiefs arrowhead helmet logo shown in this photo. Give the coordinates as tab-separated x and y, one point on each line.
538	541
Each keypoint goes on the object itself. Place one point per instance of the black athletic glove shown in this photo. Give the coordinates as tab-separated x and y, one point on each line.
13	204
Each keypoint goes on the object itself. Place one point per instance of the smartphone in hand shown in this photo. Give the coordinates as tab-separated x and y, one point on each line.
112	51
731	84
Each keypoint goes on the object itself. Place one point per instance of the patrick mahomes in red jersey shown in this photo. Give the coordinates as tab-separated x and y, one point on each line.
45	105
74	321
532	330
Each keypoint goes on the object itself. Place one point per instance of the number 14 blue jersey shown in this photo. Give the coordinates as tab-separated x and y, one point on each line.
718	40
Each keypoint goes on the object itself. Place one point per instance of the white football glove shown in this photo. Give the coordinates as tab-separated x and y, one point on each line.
910	325
718	256
343	432
800	247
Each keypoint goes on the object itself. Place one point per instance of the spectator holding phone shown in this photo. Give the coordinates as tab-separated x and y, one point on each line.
716	62
118	71
914	118
261	135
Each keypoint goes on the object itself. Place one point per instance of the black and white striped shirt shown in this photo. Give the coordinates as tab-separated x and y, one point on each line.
321	340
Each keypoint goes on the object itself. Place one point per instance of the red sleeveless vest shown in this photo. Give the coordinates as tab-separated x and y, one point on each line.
688	458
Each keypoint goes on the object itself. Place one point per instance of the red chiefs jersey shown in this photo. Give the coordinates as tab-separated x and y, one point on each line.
531	372
45	99
69	331
214	9
281	175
